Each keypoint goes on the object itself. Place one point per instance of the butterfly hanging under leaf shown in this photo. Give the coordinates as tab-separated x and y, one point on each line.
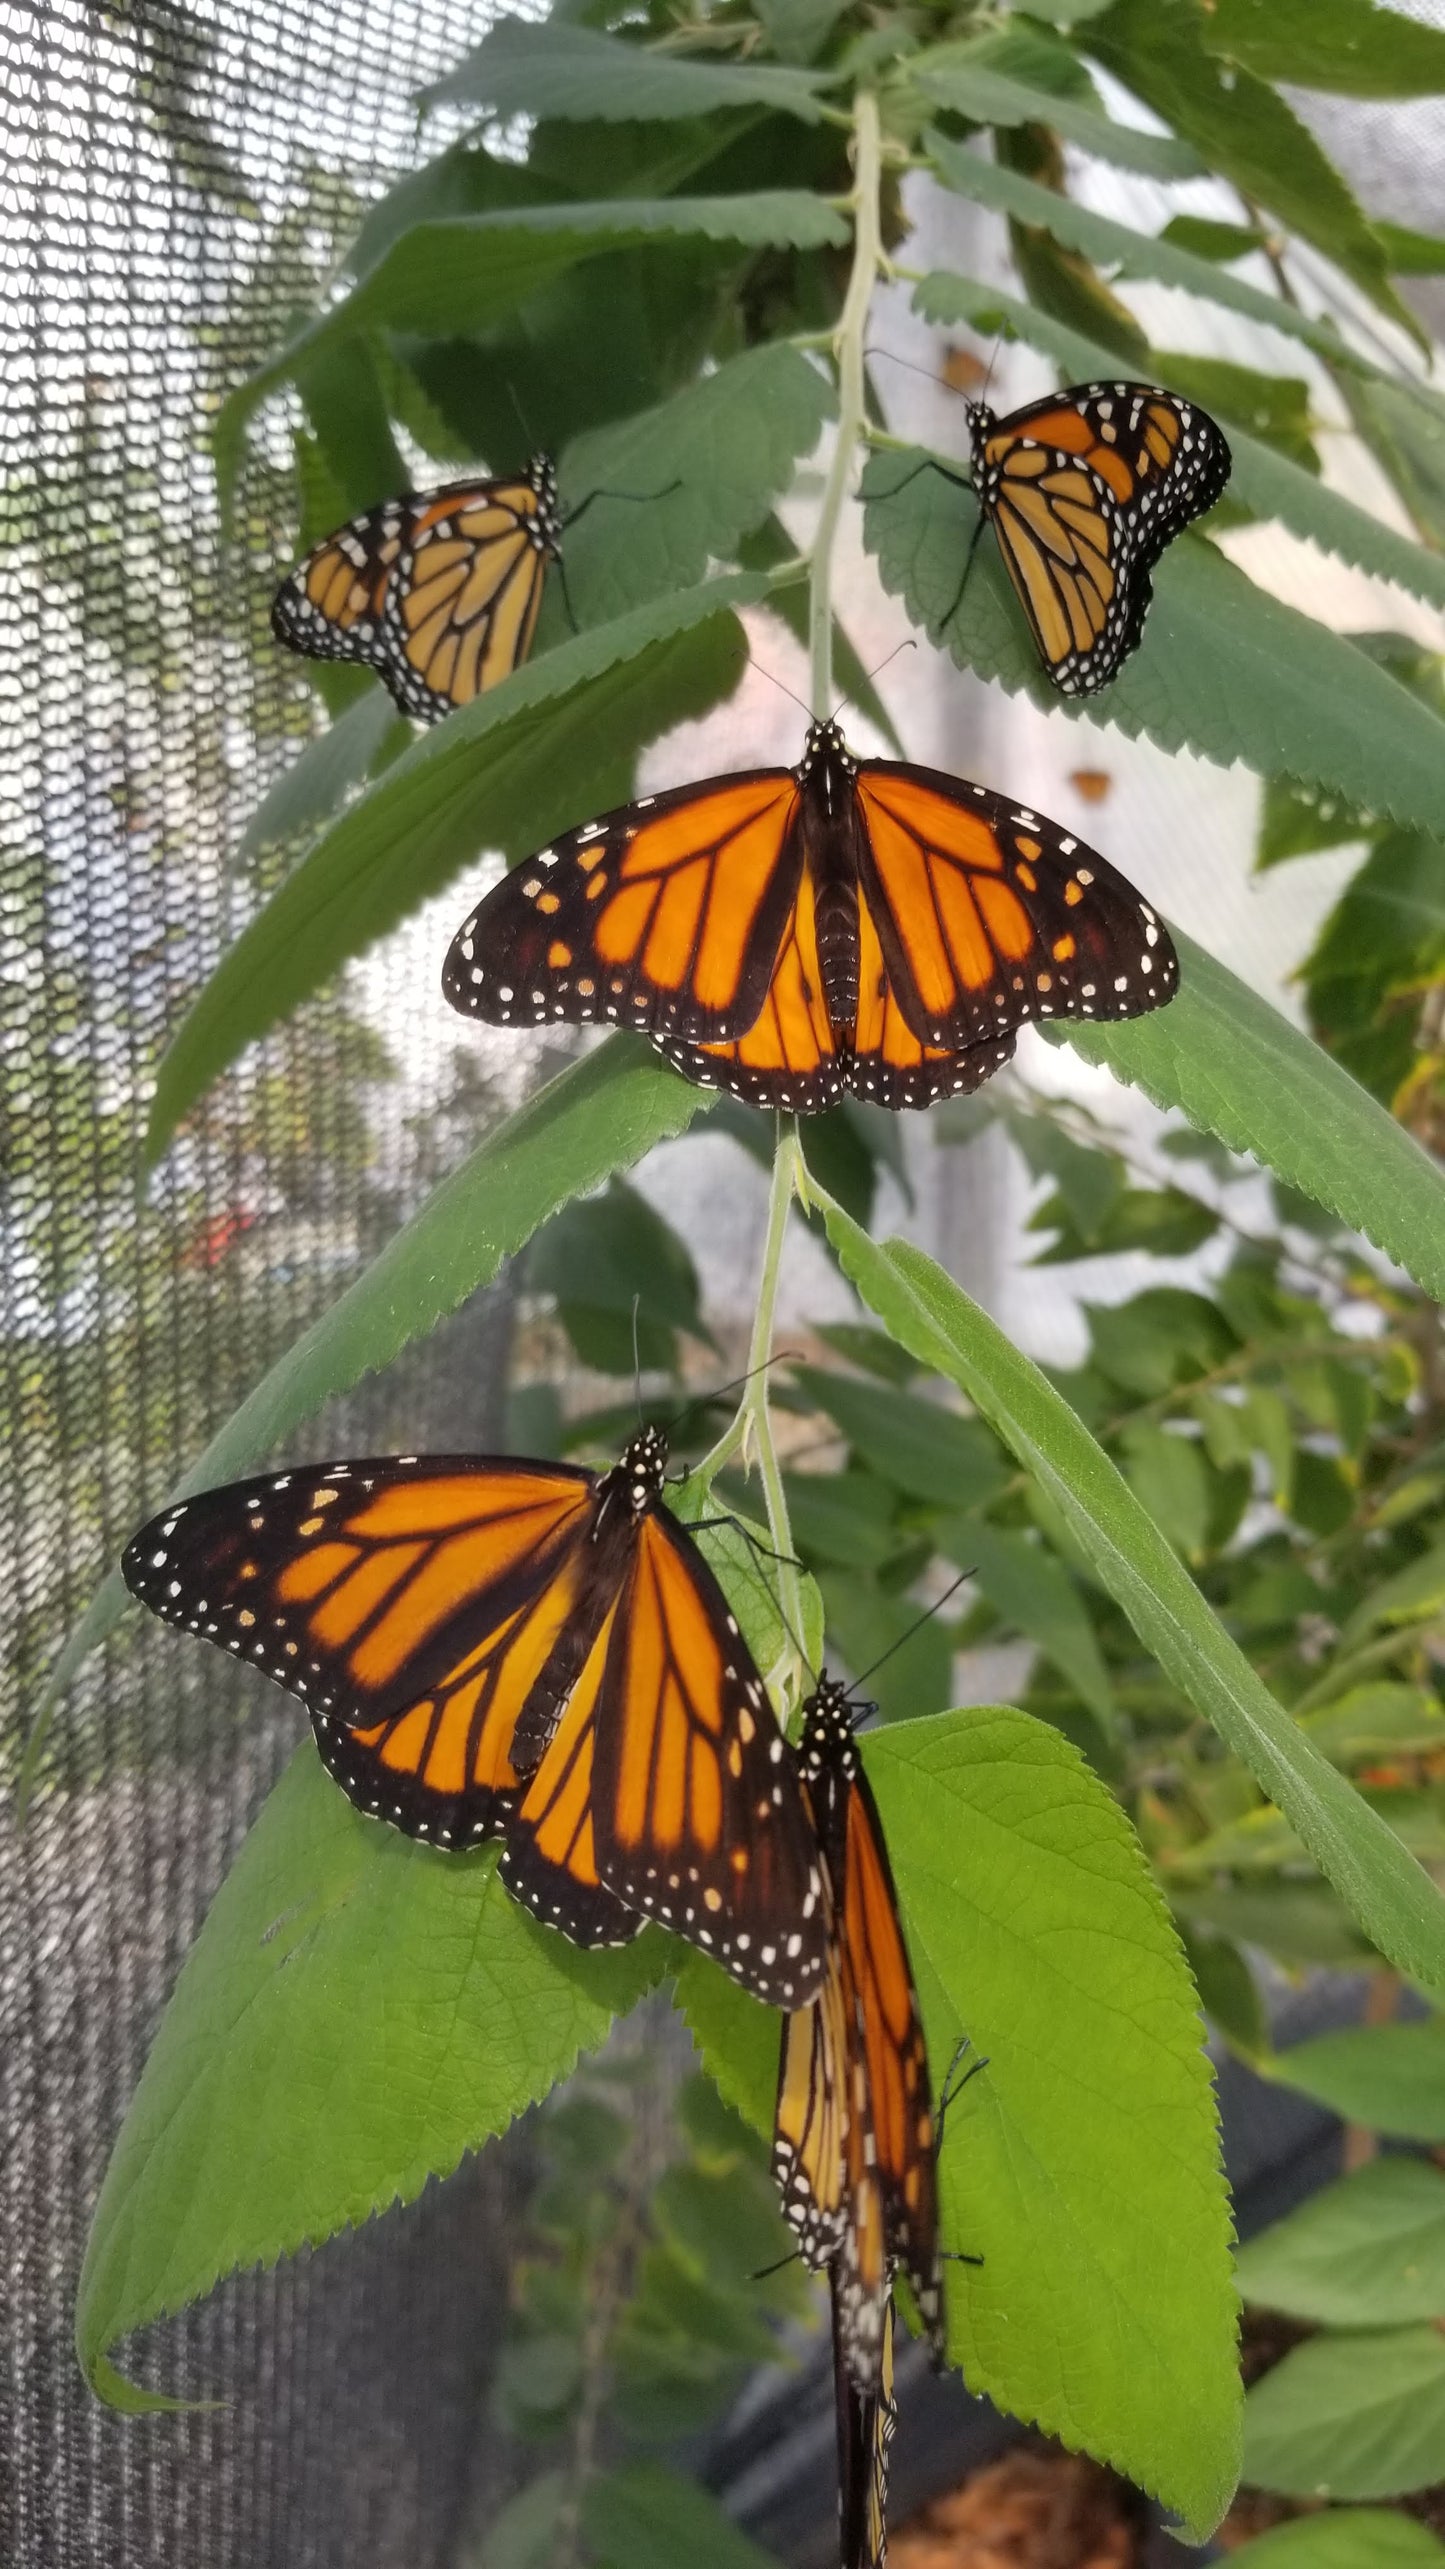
1084	489
525	1650
791	934
439	593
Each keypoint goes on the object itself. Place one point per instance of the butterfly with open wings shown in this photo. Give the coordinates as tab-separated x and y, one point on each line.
791	934
492	1647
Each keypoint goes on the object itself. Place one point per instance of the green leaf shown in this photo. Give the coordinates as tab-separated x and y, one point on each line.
1241	1070
1081	2163
1347	2538
645	2517
1032	1591
1407	253
964	77
1350	2417
455	277
1389	2077
508	771
1115	245
706	467
1227	1989
1268	483
356	2013
569	71
922	1449
311	788
1368	2252
843	1518
1296	820
607	1257
1224	668
736	2035
901	1653
603	1114
527	2532
1089	1182
341	394
1166	50
1348	45
1207	240
1394	1900
1415	1594
798	29
1300	1923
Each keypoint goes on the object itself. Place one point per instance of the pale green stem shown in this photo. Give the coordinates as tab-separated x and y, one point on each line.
750	1432
848	345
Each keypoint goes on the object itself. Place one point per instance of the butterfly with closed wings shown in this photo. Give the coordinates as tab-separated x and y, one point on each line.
494	1647
1084	489
791	934
438	592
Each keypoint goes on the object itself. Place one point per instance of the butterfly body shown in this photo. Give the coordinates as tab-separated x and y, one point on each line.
1084	489
791	934
489	1647
439	592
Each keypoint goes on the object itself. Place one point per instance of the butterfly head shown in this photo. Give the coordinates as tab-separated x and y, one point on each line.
827	765
642	1472
829	1717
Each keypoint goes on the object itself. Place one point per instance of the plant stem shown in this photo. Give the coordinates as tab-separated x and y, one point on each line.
848	349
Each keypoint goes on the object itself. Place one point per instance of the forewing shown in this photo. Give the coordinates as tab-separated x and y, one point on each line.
791	1057
549	1860
896	2055
699	1810
462	603
1085	489
411	1605
989	916
666	915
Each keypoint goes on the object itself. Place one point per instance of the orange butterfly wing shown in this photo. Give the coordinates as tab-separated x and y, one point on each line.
988	916
1085	488
666	915
439	593
550	1858
789	1056
412	1607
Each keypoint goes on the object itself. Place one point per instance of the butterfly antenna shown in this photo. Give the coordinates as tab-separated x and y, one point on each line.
639	499
636	1359
909	643
783	1356
916	1626
782	683
567	595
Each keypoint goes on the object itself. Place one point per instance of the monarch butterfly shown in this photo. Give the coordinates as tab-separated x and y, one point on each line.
439	593
790	933
1084	490
497	1647
854	2140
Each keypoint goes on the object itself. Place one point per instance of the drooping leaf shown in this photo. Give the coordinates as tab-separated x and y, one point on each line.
551	744
356	2013
570	71
1367	2252
310	789
1224	668
602	1114
1389	2077
1246	132
1036	1931
1269	483
452	277
1115	245
966	77
607	1259
1393	1898
1347	45
928	1452
1032	1591
1241	1070
1352	2416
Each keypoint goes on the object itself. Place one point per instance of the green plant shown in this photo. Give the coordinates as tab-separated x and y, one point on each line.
1222	1533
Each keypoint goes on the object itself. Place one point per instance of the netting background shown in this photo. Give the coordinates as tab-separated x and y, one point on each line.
176	183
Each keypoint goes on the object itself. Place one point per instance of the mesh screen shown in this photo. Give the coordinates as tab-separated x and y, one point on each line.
177	181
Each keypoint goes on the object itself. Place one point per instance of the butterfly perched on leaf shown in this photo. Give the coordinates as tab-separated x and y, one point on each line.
526	1650
439	593
790	934
1083	490
854	2138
